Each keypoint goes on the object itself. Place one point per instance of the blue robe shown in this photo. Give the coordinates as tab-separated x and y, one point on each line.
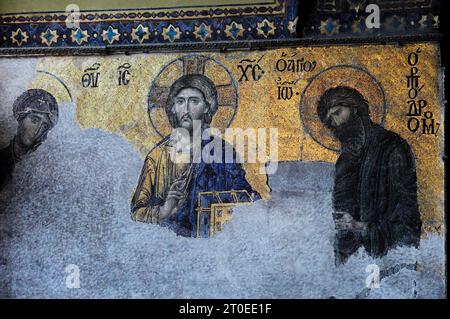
206	177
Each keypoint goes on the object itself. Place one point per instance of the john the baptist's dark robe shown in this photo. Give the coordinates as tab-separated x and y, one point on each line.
6	165
159	172
378	186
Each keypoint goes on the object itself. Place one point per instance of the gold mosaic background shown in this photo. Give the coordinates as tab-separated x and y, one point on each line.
123	109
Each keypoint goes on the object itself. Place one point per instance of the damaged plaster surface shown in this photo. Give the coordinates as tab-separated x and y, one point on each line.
68	204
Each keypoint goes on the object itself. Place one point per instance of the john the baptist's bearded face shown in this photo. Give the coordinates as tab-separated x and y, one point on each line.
344	110
189	105
338	115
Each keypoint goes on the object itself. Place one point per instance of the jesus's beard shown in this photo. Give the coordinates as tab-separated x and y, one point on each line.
351	134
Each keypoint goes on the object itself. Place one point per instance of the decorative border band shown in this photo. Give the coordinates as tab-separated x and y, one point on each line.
276	7
222	46
278	20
